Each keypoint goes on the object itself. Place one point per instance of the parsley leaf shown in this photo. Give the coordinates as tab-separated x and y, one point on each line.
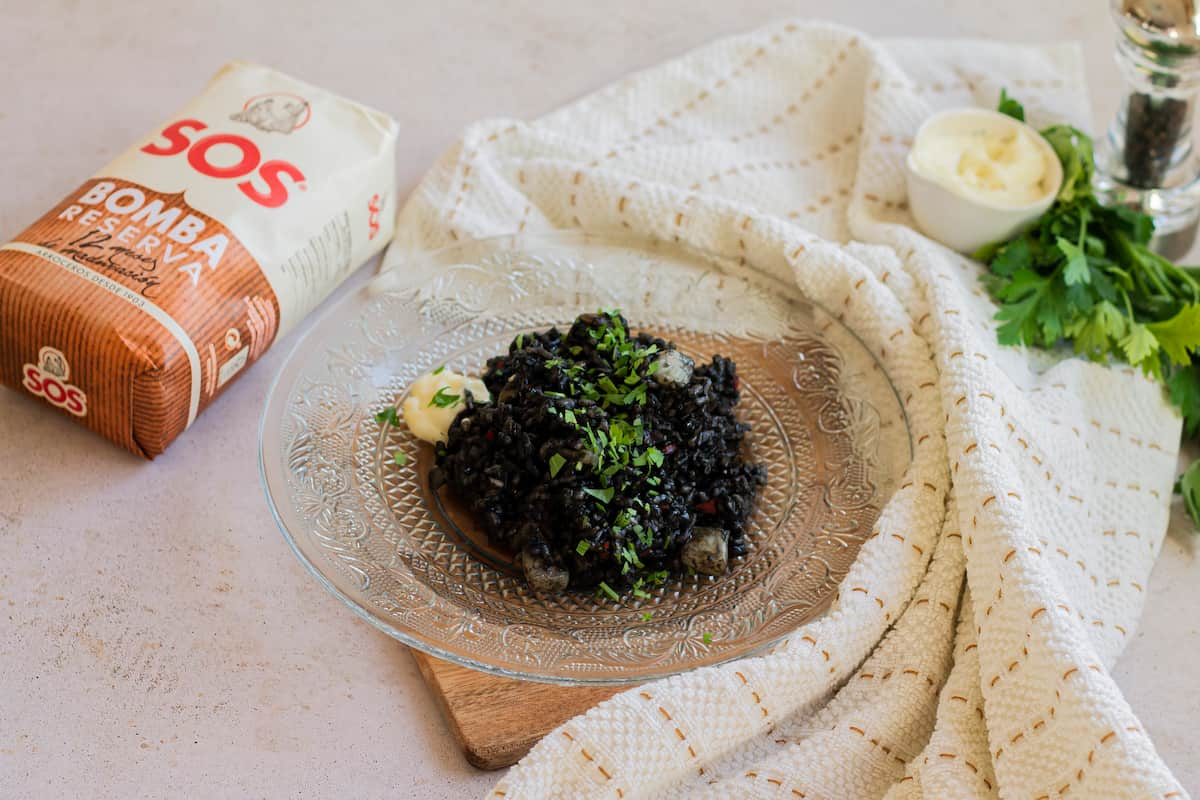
1074	150
400	458
629	554
608	590
556	463
1139	344
443	398
1077	269
655	456
1011	107
583	547
1012	257
1020	313
439	370
1179	335
1097	334
644	536
603	495
656	578
637	395
388	415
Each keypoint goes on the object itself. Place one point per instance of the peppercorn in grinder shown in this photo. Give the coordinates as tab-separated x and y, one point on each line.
1147	160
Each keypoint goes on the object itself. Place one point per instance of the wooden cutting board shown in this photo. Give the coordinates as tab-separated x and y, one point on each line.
497	720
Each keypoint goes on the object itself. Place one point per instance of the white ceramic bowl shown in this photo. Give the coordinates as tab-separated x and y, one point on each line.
966	223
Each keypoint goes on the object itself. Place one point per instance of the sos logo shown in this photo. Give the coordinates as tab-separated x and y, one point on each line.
48	379
264	181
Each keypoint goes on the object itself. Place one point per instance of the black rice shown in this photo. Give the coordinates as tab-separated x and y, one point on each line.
591	464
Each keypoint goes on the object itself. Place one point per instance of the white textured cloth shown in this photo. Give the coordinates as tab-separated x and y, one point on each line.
968	651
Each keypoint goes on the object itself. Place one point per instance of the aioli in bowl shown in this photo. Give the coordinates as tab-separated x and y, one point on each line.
977	177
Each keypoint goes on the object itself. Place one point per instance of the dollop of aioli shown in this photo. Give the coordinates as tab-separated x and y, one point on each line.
990	159
428	410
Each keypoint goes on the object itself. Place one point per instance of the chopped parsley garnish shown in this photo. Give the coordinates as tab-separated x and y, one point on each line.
556	463
706	638
520	341
443	398
644	536
646	615
439	370
400	458
583	547
603	495
629	559
388	415
619	384
608	590
638	590
636	396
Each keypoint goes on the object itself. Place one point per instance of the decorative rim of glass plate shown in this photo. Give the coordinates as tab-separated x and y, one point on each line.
825	420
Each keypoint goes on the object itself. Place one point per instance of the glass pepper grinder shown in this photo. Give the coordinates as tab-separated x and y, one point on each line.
1147	160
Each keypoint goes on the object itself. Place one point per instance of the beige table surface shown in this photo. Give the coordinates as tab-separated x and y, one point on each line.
157	638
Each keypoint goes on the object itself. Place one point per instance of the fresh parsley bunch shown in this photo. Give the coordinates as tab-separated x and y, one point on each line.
1085	273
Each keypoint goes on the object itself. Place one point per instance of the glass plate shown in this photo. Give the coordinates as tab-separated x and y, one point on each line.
825	421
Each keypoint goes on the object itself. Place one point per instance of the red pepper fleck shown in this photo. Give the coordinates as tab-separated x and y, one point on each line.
708	507
737	383
490	435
